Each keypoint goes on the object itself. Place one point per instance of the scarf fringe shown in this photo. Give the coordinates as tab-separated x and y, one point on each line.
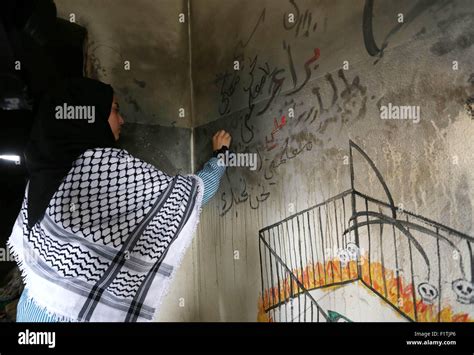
31	294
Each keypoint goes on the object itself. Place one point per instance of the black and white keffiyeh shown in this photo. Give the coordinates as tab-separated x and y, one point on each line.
111	239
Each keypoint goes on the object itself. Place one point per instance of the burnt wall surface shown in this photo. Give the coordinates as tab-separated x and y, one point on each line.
149	36
337	77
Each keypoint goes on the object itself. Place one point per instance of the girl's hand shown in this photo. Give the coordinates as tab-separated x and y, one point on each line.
219	139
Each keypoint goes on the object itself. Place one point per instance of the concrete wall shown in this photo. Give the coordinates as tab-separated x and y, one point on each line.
148	35
426	165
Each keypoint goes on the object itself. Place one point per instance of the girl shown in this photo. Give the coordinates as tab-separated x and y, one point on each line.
100	233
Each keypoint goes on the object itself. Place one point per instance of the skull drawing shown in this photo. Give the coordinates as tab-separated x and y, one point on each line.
464	289
427	292
343	256
352	250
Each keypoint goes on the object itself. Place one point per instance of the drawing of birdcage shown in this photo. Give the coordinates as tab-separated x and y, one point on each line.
356	254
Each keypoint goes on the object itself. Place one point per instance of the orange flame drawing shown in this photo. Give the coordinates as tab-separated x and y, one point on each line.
333	272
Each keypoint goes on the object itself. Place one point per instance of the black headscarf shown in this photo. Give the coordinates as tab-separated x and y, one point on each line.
56	143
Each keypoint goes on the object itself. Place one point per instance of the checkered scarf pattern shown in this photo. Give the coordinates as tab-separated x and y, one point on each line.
110	240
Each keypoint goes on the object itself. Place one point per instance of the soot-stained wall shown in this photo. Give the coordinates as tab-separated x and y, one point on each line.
338	76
